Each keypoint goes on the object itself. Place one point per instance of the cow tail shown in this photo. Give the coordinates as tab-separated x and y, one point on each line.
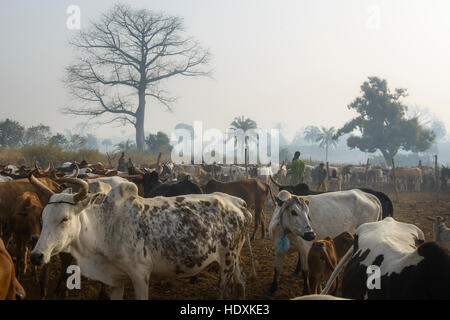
269	189
337	270
274	182
253	276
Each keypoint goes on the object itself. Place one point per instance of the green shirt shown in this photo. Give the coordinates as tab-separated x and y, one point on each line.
298	170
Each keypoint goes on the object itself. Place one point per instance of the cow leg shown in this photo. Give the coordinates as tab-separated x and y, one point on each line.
227	270
298	268
239	278
66	261
20	253
141	282
277	271
25	259
103	295
314	282
305	282
117	292
263	224
256	218
43	282
334	287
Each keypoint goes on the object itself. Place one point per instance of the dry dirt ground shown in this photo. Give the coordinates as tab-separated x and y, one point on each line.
411	208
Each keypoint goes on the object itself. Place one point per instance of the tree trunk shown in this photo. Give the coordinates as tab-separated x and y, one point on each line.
388	156
140	116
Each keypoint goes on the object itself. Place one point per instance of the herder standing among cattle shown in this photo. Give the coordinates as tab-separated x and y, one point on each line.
122	167
319	174
297	167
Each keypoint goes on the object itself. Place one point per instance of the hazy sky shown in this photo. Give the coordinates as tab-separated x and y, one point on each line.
289	61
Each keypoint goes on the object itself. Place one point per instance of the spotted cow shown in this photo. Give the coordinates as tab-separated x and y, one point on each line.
120	236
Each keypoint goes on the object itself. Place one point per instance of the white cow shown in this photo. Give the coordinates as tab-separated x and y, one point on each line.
5	179
328	214
122	236
264	174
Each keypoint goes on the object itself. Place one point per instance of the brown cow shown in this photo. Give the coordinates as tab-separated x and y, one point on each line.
10	288
10	190
253	191
323	257
24	225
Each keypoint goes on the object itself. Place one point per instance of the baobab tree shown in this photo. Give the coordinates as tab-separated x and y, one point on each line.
123	58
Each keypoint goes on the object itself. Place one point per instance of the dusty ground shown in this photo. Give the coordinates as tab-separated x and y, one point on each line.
411	208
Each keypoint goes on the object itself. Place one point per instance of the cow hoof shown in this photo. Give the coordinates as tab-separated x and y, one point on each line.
271	290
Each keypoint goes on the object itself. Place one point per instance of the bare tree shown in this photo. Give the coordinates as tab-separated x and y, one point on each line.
123	59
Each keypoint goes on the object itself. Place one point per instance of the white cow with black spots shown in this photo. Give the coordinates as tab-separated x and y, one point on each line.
120	236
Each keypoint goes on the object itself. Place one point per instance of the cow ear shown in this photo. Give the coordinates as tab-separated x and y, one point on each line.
279	202
430	218
92	199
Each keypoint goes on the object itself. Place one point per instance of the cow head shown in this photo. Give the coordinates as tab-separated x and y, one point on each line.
61	222
294	215
25	220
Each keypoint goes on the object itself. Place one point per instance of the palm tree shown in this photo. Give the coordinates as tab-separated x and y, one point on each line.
107	143
325	137
244	124
311	133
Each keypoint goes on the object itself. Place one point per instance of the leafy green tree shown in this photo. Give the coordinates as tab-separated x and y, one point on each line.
187	127
11	133
126	146
158	142
37	135
383	124
77	142
325	139
58	140
91	142
311	134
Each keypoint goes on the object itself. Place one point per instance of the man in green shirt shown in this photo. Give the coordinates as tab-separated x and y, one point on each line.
297	167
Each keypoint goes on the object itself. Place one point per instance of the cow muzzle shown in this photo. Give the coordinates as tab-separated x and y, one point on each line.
309	236
37	258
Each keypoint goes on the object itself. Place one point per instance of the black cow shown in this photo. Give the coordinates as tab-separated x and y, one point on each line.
153	187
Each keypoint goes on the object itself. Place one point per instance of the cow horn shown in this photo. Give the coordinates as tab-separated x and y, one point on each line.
274	182
84	187
48	168
35	164
43	188
77	172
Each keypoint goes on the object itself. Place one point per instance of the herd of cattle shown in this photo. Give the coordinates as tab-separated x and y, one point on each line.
175	220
